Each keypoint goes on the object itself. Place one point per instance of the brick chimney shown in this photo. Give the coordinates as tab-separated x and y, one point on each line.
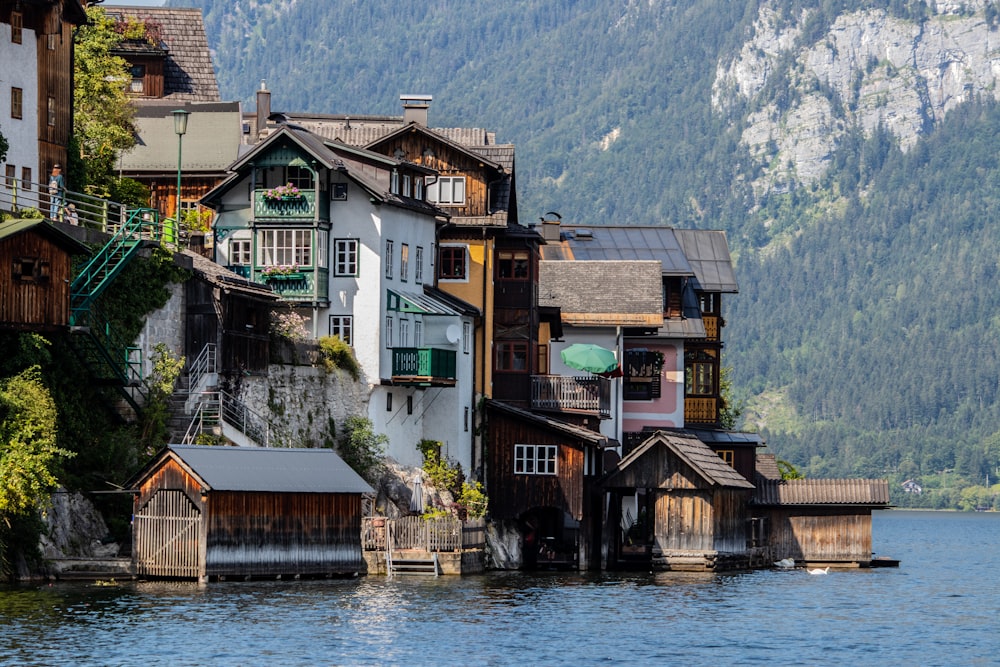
263	107
550	226
415	108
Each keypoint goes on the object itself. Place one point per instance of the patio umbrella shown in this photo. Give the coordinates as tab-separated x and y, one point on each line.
417	499
589	357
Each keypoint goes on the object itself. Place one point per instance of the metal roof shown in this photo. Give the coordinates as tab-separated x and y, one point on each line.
720	437
870	492
708	253
270	470
418	302
628	242
211	143
45	228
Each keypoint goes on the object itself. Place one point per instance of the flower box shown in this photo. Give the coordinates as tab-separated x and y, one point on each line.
285	276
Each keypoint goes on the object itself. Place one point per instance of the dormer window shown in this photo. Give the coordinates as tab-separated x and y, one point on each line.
138	84
394	182
447	191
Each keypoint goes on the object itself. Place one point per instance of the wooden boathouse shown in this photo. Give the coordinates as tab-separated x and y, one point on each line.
676	505
214	512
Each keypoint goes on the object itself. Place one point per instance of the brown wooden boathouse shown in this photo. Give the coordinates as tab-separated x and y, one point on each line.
211	512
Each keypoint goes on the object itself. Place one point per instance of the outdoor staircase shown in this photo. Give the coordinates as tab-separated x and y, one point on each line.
109	358
425	566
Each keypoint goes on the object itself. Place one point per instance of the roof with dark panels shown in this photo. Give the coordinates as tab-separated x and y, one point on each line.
628	243
708	253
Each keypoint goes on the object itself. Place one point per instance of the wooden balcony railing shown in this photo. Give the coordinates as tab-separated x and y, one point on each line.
423	366
701	410
559	392
416	532
299	208
711	323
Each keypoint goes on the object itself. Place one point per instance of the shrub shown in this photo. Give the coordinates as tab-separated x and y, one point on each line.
473	499
335	353
290	325
362	448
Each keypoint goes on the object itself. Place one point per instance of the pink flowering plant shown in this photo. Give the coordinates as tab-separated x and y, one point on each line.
280	270
289	324
287	191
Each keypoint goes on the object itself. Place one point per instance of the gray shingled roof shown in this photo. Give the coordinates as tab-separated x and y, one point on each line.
708	253
226	279
210	145
626	293
571	430
692	451
270	470
767	466
188	72
870	492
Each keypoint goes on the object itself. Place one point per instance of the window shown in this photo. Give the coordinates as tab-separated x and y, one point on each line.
406	185
535	460
388	402
409	404
25	178
394	182
239	252
345	257
709	303
388	259
418	188
300	177
466	337
30	270
512	356
16	27
418	333
465	419
342	326
10	174
447	191
322	243
388	332
138	84
728	456
452	264
404	333
404	262
642	370
418	270
338	191
284	247
512	265
50	111
700	379
16	100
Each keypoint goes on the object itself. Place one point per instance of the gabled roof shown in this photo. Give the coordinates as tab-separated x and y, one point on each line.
767	466
613	293
708	253
697	455
627	243
806	492
45	228
260	469
211	144
572	431
436	136
188	73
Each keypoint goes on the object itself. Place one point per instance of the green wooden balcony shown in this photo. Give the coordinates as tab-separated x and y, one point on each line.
299	208
423	366
298	286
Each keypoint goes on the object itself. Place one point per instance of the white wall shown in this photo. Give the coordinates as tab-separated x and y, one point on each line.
19	69
606	337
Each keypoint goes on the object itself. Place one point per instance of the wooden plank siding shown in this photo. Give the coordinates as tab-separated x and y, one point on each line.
55	68
41	301
820	535
259	534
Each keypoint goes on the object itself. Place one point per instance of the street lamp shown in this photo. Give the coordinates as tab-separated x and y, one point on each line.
180	128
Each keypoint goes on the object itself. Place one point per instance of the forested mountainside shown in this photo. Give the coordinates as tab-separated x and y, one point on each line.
848	148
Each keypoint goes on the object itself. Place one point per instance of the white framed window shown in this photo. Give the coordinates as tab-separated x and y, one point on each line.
404	333
535	460
345	257
343	326
239	252
418	333
466	337
388	331
447	191
284	247
404	262
394	182
418	188
406	185
322	243
388	259
418	269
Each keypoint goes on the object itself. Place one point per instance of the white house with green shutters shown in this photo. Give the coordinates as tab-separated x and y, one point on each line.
347	239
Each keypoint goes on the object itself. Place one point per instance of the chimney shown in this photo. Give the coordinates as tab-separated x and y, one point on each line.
415	108
263	107
550	228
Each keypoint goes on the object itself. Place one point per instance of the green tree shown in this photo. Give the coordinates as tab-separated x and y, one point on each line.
102	113
4	146
362	448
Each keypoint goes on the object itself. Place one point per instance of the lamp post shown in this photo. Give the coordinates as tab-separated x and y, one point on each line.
180	128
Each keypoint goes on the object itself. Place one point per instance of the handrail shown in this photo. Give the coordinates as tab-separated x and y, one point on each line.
92	212
203	365
249	422
197	425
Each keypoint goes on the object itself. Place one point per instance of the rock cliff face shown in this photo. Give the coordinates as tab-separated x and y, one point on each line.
799	99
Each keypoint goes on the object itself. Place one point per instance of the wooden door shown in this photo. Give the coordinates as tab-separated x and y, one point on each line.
167	531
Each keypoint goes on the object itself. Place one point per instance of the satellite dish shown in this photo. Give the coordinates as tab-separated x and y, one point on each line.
453	333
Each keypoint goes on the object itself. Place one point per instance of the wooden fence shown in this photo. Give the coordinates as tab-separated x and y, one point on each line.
414	532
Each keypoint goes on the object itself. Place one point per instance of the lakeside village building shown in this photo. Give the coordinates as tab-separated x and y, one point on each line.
404	240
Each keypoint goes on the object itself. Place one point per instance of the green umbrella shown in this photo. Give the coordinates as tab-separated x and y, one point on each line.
589	357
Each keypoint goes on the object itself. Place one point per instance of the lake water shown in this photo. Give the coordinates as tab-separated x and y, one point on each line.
941	607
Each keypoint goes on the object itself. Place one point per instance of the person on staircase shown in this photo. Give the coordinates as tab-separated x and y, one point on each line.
57	192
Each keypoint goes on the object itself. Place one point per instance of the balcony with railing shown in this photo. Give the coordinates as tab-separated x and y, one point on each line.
701	410
588	393
302	207
423	367
302	285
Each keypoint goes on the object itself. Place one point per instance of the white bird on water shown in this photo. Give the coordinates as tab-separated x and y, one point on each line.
785	563
818	570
